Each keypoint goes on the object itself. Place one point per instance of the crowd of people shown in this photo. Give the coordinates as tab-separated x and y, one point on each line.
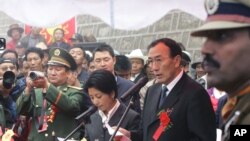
45	86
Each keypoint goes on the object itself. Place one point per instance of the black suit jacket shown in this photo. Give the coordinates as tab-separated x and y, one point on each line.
222	101
192	114
122	86
95	129
139	77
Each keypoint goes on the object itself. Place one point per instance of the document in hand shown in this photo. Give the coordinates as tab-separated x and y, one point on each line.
118	134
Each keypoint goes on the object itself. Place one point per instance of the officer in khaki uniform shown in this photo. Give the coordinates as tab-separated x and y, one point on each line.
53	100
226	57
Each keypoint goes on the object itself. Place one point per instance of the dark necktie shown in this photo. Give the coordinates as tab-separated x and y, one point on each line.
164	91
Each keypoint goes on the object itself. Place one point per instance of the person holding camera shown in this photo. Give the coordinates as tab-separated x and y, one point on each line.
10	89
8	71
50	101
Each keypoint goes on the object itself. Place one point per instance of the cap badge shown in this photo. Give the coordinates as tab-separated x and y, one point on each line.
57	52
211	6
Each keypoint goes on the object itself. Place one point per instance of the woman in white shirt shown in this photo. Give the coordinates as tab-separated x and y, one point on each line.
102	89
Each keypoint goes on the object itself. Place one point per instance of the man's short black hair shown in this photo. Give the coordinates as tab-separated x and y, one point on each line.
80	47
34	50
174	47
104	47
122	63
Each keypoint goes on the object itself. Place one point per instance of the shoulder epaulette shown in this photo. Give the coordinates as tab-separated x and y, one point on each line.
74	87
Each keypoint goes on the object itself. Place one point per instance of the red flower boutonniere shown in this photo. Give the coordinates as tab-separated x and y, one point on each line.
52	115
165	123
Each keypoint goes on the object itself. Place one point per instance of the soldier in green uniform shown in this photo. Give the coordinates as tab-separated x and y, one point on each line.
52	103
226	57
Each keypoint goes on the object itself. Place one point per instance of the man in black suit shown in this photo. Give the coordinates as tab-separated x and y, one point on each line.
188	111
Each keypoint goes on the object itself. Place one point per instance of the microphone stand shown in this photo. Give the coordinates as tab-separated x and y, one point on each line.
75	130
122	118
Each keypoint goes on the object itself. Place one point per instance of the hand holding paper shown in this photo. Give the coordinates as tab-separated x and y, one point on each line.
119	136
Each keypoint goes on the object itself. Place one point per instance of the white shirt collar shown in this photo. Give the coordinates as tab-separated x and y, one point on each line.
132	78
105	119
116	78
171	85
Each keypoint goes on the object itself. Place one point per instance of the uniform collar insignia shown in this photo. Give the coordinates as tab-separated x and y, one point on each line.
211	6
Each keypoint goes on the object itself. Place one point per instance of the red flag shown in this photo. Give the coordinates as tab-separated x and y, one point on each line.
68	27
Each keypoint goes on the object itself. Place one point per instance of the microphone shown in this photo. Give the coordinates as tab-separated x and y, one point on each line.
135	88
87	113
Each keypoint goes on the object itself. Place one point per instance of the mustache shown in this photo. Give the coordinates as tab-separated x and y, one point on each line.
210	61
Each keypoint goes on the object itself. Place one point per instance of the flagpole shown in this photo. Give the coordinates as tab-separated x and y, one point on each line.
75	24
112	23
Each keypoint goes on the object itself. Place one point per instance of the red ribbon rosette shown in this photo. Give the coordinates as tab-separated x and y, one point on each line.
164	119
164	122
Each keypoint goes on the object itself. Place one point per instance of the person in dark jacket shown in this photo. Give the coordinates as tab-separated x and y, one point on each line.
58	36
110	110
104	58
176	108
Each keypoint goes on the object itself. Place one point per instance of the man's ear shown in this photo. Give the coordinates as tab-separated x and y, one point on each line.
67	72
113	94
114	58
177	60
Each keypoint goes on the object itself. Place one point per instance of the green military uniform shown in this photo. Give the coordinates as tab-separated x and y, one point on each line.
240	115
244	107
69	103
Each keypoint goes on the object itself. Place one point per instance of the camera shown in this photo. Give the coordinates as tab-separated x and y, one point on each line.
36	74
8	79
2	43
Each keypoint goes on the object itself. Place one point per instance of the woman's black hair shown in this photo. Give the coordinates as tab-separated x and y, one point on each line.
103	81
